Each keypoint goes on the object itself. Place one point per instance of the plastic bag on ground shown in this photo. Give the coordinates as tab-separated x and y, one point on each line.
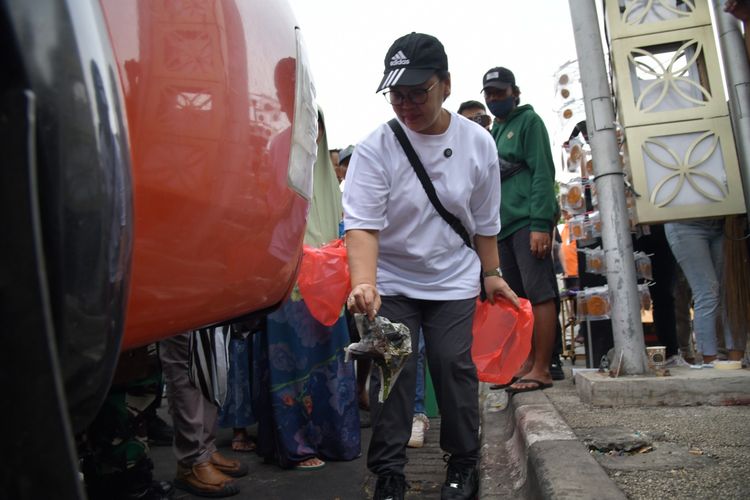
324	280
502	339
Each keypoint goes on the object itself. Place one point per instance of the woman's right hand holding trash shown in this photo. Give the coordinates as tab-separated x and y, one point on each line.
362	248
364	299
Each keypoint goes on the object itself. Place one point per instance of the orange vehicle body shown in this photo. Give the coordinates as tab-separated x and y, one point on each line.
156	177
217	230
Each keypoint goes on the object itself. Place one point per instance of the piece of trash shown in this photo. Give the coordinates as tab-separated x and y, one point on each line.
695	451
619	364
387	344
604	364
727	365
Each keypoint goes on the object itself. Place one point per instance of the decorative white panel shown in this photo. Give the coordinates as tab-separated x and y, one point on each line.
668	77
685	170
626	18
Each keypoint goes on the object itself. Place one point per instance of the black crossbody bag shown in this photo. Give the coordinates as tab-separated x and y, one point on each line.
453	221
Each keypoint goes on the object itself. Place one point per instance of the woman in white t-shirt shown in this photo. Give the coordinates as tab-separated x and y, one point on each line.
408	265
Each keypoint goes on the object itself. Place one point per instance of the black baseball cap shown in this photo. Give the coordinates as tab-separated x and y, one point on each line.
413	59
499	78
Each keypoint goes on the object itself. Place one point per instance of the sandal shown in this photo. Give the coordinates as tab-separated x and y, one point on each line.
243	444
534	385
495	387
306	465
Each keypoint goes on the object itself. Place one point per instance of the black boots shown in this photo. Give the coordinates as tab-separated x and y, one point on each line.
461	483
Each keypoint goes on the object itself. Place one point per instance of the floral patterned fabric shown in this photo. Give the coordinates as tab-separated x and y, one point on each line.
307	404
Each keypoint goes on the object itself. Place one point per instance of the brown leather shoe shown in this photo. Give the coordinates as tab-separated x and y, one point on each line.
230	467
205	480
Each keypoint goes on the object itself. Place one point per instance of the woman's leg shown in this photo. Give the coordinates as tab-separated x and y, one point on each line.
392	419
448	337
694	247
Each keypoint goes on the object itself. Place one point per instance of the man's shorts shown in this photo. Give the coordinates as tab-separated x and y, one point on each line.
529	277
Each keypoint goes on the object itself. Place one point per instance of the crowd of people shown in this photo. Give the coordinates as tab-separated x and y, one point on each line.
435	207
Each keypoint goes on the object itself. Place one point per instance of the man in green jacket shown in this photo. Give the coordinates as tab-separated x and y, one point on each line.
528	213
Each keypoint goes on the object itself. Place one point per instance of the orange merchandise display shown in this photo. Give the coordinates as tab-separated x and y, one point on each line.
577	226
574	198
593	303
595	262
597	306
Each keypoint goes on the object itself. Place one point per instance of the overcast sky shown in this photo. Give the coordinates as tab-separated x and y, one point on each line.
347	41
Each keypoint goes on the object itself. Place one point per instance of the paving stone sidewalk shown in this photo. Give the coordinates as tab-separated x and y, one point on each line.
685	452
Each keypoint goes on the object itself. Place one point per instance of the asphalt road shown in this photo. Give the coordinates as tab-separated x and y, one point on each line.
336	481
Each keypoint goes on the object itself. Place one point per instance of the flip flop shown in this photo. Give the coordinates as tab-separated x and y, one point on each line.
539	385
300	466
243	445
495	387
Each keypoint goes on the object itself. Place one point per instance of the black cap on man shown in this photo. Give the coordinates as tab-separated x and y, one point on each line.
499	78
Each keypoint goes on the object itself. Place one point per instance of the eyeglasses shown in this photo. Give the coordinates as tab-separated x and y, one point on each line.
483	120
415	96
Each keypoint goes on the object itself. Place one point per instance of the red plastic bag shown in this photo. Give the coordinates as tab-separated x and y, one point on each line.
324	280
502	339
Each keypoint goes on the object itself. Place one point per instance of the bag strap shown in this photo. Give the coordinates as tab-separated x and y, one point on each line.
453	221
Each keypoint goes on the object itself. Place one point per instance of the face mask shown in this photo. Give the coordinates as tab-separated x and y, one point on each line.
501	109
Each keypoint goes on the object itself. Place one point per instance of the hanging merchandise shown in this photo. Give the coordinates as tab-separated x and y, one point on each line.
645	296
577	227
576	155
573	198
595	263
594	225
588	171
643	266
594	303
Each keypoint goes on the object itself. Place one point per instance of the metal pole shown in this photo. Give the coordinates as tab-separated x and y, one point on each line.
627	328
737	71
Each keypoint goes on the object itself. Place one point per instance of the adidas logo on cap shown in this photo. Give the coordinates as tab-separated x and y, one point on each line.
399	59
426	56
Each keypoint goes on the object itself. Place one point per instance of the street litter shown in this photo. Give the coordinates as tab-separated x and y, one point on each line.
387	344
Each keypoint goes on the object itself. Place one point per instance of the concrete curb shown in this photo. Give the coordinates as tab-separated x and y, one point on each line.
684	387
529	451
